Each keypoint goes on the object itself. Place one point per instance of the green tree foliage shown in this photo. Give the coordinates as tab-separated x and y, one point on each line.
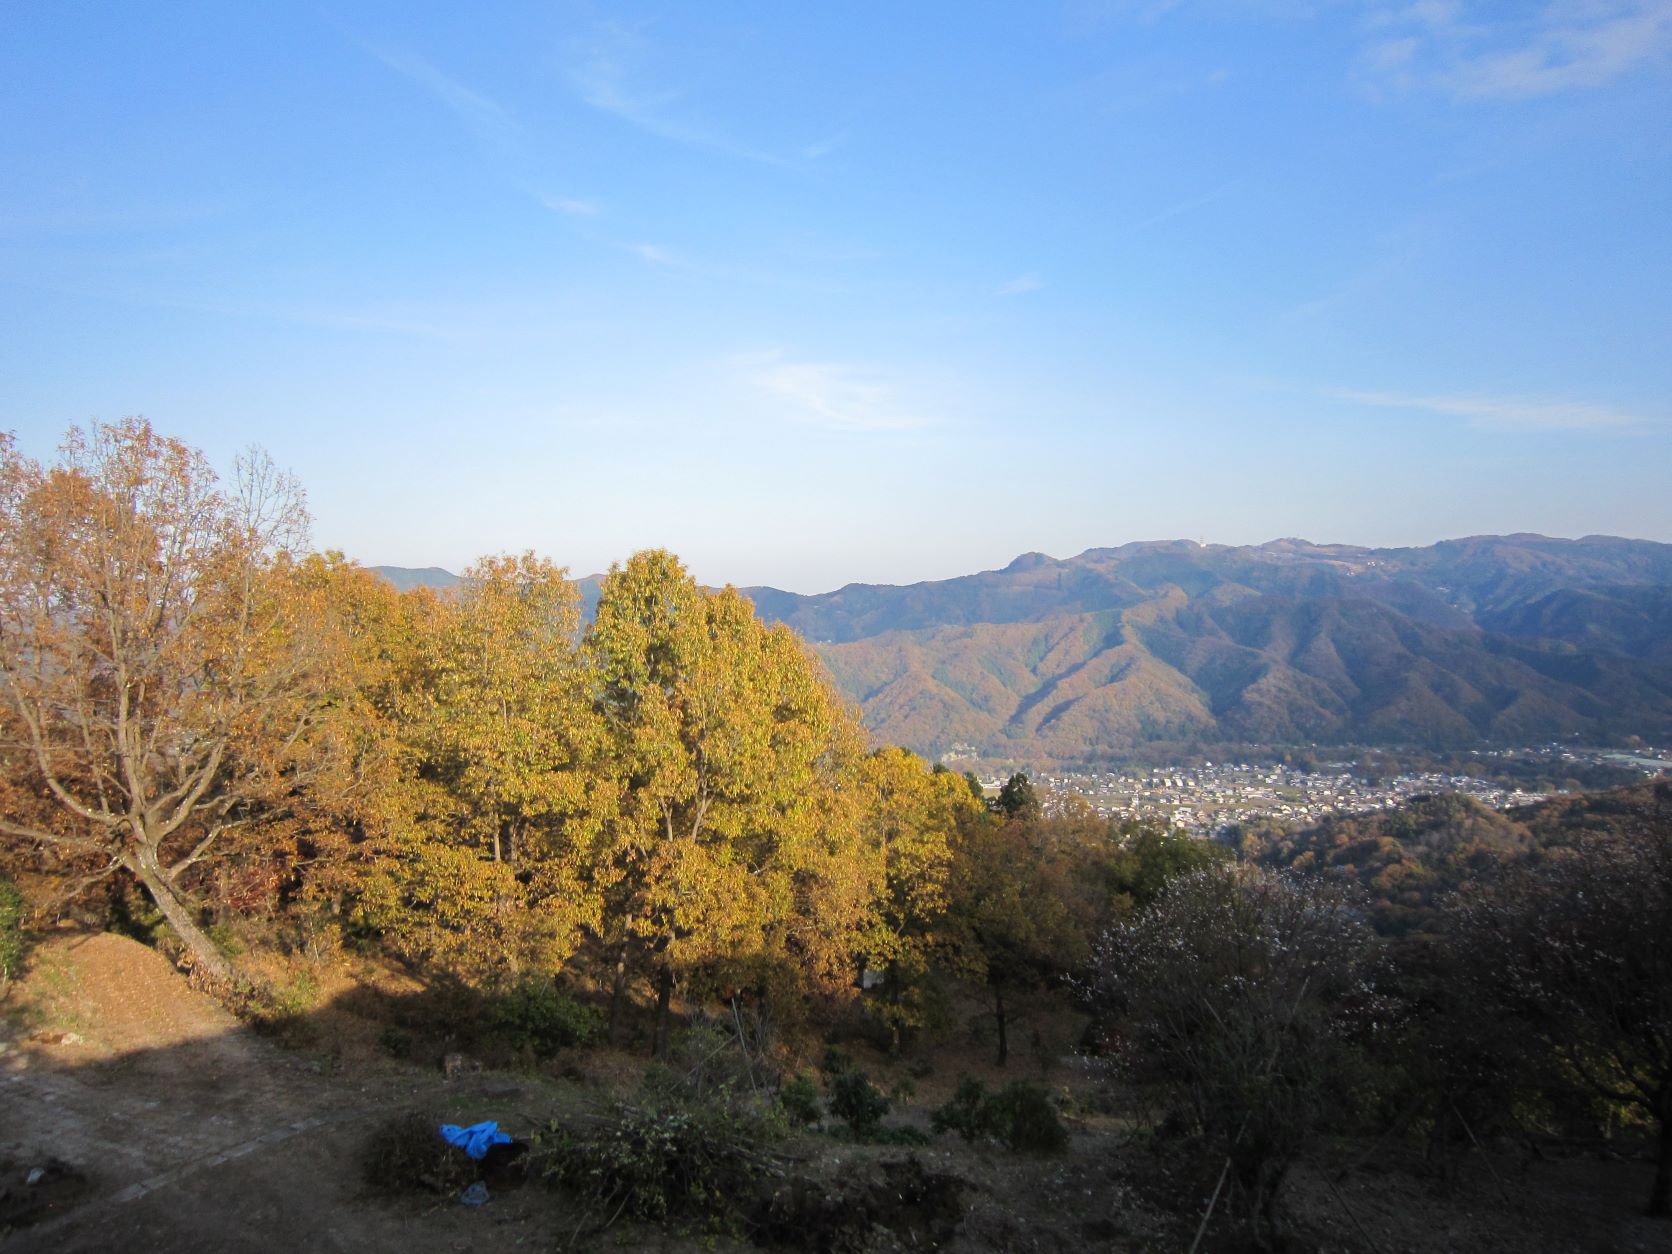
1020	1116
912	820
493	847
1001	931
1145	859
858	1102
1017	798
540	1019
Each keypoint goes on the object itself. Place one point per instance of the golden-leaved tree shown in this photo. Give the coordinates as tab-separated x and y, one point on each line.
151	667
727	748
322	840
912	820
492	866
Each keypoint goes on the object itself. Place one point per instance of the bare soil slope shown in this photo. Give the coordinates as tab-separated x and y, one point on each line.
192	1132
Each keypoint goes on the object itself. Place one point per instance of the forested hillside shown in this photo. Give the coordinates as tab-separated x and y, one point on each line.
1489	639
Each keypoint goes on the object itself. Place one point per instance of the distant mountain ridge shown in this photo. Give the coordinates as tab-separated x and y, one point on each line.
1487	639
1516	638
407	578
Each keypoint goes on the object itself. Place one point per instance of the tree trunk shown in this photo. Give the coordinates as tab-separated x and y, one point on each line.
1660	1197
618	993
664	997
1004	1024
178	911
1262	1218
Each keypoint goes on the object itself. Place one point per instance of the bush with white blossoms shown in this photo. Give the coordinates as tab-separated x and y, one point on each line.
1237	994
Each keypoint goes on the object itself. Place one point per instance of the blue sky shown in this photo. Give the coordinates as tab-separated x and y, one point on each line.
874	292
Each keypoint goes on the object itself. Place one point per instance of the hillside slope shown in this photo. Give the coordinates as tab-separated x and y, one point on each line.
1490	639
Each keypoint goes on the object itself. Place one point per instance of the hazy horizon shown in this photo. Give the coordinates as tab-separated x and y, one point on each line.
718	580
861	296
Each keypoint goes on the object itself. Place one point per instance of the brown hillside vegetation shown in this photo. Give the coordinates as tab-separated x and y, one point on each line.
1260	671
1506	639
177	1129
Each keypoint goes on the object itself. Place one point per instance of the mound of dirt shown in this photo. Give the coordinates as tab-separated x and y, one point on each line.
120	996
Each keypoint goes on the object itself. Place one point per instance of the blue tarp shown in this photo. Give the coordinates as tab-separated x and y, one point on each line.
475	1140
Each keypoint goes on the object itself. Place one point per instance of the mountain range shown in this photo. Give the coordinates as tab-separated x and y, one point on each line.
1491	639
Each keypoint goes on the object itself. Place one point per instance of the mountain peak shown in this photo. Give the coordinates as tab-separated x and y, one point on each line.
1031	561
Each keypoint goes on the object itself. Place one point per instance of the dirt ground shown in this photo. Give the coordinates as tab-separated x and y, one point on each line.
156	1121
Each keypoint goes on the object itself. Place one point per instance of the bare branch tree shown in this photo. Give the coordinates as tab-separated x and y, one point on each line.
150	657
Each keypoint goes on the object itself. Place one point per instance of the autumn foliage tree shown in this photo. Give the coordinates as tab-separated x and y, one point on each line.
1030	892
153	683
912	819
491	844
725	743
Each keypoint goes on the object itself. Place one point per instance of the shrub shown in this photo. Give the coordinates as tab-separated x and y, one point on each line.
407	1155
226	938
11	931
535	1017
835	1061
965	1113
1020	1116
1025	1120
297	996
1240	992
854	1098
655	1163
395	1041
800	1100
707	1060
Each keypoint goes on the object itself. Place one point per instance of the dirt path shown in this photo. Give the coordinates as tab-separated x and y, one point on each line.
163	1100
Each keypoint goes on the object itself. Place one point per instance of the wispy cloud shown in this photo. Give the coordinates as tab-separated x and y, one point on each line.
676	261
1567	45
1183	207
833	395
570	205
656	255
491	120
1504	413
1021	284
608	72
822	148
496	128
